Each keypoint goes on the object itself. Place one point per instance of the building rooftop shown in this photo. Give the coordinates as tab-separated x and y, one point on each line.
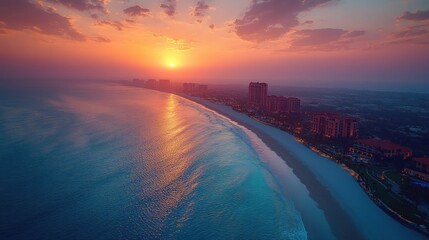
422	160
383	144
336	115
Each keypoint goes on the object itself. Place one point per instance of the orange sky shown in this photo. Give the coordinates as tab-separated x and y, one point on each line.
322	42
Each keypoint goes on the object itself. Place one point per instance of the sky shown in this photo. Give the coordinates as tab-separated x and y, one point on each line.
365	44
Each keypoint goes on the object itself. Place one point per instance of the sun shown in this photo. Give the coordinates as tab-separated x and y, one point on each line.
171	65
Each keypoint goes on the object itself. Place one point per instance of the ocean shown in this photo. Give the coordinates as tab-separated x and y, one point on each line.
105	161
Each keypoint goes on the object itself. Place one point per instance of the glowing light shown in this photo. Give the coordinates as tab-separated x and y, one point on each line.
171	65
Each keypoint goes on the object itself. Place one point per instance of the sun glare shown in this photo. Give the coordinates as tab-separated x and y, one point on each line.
171	65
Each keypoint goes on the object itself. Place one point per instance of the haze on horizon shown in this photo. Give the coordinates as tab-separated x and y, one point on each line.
378	45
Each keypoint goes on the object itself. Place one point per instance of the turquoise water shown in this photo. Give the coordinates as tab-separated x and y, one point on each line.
103	161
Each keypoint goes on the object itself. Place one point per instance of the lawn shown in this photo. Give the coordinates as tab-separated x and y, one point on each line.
394	176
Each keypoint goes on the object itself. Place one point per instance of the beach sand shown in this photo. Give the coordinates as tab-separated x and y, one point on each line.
350	212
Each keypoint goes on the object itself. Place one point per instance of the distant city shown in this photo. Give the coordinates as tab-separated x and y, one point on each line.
390	173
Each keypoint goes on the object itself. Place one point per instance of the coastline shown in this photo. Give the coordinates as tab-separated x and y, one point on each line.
351	214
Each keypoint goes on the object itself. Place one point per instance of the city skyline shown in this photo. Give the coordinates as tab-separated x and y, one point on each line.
371	45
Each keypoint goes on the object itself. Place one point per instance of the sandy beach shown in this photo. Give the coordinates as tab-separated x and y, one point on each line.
350	212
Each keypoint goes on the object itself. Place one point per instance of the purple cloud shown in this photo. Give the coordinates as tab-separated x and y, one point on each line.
25	15
200	9
417	16
322	37
307	22
136	11
271	19
411	35
116	24
101	39
317	36
414	41
169	7
83	5
353	34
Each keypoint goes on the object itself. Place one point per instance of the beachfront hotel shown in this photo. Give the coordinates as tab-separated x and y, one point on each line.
381	149
418	167
195	89
258	94
164	84
259	99
293	105
334	125
281	104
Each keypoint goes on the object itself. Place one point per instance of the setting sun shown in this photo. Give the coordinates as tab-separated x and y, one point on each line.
171	65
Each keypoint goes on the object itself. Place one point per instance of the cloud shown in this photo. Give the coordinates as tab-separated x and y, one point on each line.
25	15
116	24
417	16
178	44
410	35
136	11
324	38
101	39
353	34
271	19
83	5
169	7
211	26
307	22
317	36
200	10
412	41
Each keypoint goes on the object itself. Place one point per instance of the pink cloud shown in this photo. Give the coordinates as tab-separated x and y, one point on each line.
101	39
22	15
323	38
83	5
136	11
200	10
169	7
416	35
417	16
115	24
271	19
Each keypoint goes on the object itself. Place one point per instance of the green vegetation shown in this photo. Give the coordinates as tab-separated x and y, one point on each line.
395	176
383	193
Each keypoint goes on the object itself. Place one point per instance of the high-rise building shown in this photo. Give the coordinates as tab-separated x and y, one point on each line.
189	88
257	94
138	82
333	125
293	105
202	89
164	84
195	89
282	104
272	104
151	83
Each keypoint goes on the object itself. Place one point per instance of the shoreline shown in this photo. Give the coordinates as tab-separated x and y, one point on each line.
346	213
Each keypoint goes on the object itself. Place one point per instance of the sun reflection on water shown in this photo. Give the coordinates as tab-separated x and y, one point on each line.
175	181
